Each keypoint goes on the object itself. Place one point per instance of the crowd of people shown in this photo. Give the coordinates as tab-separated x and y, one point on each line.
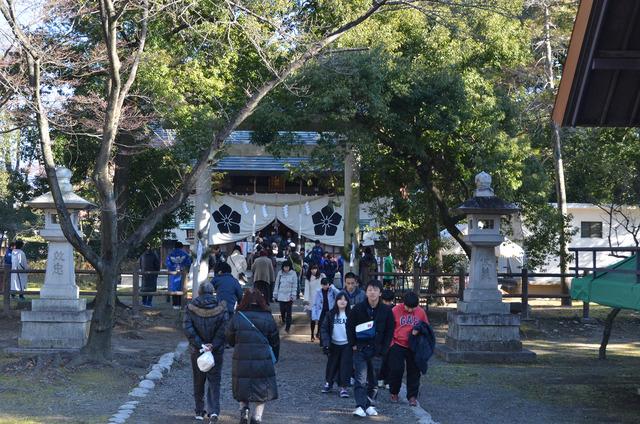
370	343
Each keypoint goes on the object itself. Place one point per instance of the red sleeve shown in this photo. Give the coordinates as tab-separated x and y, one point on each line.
423	315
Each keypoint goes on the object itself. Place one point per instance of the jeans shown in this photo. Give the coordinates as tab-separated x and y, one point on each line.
339	365
365	374
398	356
213	377
286	314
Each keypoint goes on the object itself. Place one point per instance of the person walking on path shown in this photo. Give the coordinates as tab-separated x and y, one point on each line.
19	281
323	301
237	262
149	262
254	335
177	261
335	345
368	266
388	266
227	287
407	315
7	255
370	330
354	293
204	325
285	293
311	287
263	274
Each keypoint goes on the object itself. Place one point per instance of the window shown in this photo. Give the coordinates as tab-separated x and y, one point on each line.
191	234
590	229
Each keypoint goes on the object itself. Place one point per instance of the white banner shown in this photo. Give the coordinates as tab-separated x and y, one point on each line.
236	217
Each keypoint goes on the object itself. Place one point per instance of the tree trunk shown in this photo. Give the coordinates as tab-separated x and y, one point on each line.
103	320
561	192
351	205
562	210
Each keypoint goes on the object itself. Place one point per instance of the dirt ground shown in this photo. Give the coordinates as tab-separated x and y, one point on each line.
54	389
567	384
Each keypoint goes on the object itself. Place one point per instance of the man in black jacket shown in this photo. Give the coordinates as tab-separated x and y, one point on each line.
204	324
369	330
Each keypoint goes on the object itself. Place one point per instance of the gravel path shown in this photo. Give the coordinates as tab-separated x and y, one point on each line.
300	377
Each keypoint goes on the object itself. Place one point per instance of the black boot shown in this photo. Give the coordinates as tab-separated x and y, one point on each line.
244	415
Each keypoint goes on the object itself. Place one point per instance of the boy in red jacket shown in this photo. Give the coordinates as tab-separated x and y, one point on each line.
406	315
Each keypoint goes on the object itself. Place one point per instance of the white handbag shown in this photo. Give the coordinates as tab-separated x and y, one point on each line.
206	361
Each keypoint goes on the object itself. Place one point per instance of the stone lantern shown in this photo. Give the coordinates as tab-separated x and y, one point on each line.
59	319
483	329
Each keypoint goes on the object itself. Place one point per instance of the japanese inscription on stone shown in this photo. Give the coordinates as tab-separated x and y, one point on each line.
58	262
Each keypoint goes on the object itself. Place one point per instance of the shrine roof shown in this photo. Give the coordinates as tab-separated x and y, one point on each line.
601	78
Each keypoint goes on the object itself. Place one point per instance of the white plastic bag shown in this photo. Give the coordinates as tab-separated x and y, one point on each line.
206	361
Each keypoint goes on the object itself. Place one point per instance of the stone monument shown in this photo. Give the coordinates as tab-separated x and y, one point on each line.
59	319
483	329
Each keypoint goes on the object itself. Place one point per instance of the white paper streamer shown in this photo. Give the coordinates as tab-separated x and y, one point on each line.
307	209
245	208
264	211
285	211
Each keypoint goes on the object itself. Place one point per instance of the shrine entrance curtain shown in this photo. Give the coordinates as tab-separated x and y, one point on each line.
237	217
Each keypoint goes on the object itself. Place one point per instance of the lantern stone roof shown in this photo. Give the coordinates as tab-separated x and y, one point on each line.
71	200
487	205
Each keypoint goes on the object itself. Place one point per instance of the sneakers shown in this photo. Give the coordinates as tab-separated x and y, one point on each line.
244	415
326	388
371	411
413	401
359	412
344	393
200	416
254	420
213	418
176	308
394	398
381	384
352	381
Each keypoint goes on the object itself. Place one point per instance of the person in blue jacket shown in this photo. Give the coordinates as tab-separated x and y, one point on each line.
7	256
227	287
177	261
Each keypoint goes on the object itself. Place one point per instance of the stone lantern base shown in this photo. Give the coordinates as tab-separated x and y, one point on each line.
483	338
55	325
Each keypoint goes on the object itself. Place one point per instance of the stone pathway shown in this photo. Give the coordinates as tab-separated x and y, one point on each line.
300	377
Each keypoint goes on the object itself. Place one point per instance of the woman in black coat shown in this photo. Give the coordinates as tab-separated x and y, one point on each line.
254	334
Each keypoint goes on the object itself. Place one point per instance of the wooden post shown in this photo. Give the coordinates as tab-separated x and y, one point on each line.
6	307
607	333
462	275
525	293
183	277
135	301
585	310
416	281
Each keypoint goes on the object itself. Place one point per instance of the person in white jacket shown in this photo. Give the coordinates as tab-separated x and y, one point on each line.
311	287
237	262
19	263
285	292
